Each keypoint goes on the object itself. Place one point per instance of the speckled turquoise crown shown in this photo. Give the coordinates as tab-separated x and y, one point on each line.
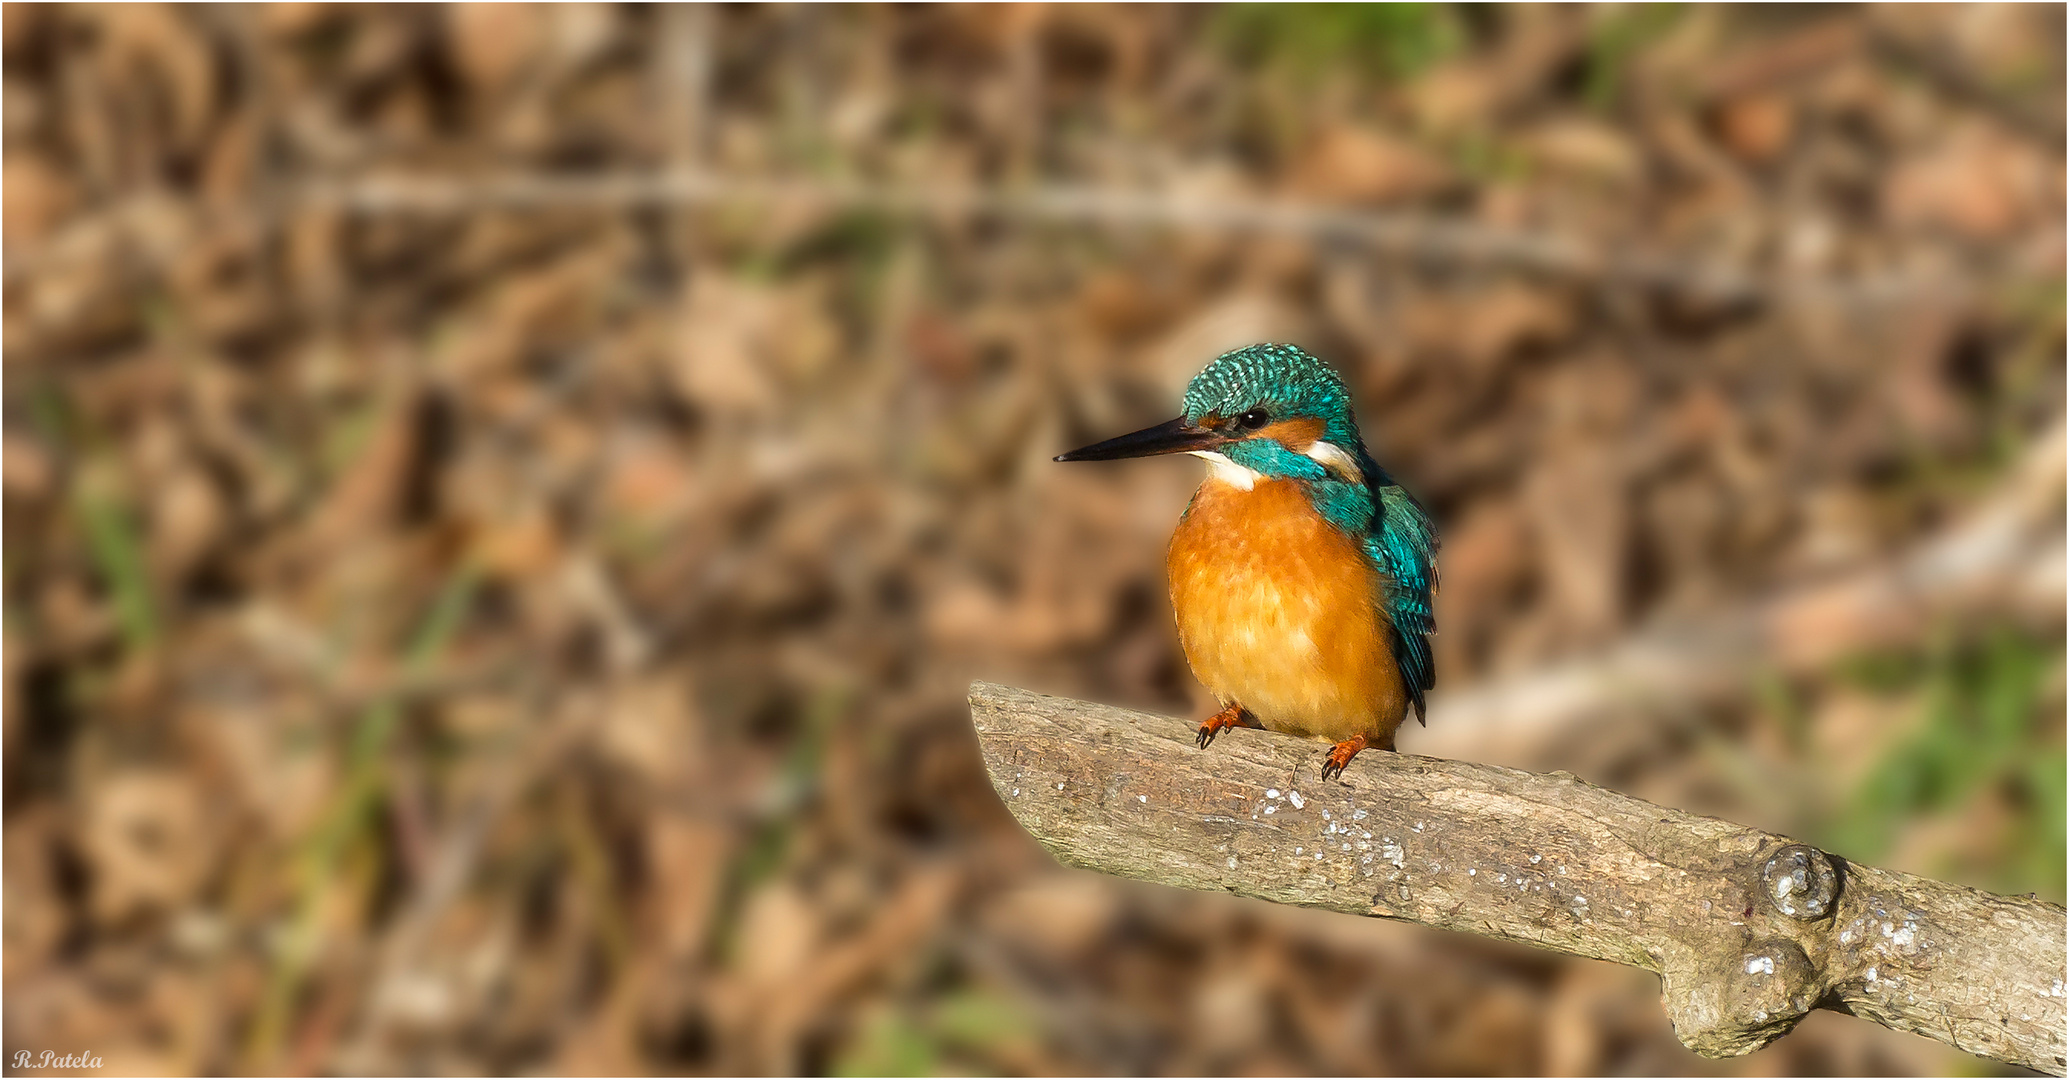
1281	379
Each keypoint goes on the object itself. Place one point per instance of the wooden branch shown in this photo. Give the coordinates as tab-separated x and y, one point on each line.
1748	931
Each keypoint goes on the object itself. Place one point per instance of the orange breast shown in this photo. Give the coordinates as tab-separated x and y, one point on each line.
1278	612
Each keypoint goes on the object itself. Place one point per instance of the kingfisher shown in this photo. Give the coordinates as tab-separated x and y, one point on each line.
1301	573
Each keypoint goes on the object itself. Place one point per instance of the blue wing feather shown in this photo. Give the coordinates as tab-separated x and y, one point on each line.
1403	542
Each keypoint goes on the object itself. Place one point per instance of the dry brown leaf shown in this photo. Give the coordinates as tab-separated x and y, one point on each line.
1578	513
1363	166
38	198
1979	184
493	42
1757	127
146	838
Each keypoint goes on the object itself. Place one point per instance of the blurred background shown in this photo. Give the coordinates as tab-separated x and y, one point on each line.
502	504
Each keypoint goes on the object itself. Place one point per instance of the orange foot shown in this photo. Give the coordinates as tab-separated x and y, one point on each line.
1341	754
1233	716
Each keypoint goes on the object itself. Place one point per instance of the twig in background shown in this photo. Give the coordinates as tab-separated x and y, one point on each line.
325	848
2003	558
1959	82
1403	235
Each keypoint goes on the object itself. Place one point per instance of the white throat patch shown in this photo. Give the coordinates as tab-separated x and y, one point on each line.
1228	472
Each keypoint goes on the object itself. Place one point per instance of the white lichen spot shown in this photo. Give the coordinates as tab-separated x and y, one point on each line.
1232	862
1298	802
1394	853
1365	858
1760	1016
1418	826
1331	830
1271	793
1537	858
1871	974
1472	872
1271	809
1318	854
2055	990
1579	900
1502	878
1325	815
1346	845
1904	935
1300	851
1059	785
1846	935
1759	965
1016	793
1358	815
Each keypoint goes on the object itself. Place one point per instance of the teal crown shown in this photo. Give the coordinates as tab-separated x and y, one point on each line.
1282	380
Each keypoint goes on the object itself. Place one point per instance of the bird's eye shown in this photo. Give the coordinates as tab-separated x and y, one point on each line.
1252	420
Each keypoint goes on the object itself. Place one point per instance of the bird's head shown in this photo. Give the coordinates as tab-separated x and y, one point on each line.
1264	411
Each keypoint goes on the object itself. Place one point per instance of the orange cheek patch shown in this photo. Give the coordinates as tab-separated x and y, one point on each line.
1296	434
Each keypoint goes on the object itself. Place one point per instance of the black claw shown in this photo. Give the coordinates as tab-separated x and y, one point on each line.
1206	736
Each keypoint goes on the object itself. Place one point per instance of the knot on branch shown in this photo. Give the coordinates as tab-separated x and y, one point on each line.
1801	882
1730	1001
1737	991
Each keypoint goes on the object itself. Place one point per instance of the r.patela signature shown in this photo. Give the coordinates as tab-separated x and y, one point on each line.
51	1059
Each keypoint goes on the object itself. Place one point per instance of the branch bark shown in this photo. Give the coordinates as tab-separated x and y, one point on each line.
1748	931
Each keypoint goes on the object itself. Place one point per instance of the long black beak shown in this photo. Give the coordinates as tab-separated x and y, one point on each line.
1169	437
